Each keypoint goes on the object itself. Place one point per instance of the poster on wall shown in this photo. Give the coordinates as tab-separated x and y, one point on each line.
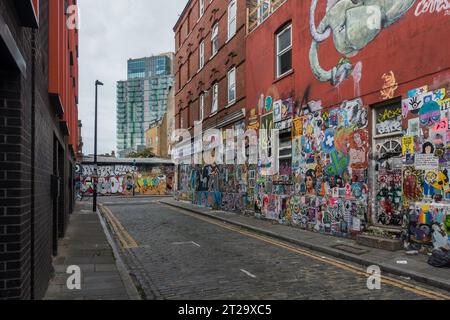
277	111
287	109
407	145
297	125
426	161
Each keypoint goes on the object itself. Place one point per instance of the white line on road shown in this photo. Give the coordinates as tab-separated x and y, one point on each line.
196	244
187	242
248	273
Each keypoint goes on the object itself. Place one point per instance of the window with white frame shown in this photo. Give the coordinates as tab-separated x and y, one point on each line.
201	105
201	54
284	51
232	11
215	98
201	4
232	85
215	39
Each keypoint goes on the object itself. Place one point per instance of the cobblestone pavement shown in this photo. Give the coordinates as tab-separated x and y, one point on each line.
181	256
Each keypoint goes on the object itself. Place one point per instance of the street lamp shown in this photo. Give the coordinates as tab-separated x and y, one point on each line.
134	177
97	83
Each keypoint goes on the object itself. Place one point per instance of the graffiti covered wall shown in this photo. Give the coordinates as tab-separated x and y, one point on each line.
118	179
364	116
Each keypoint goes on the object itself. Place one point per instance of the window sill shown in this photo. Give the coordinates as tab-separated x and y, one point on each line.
213	114
231	38
287	74
213	56
230	104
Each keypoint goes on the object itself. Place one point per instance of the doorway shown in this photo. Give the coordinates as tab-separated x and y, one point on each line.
387	193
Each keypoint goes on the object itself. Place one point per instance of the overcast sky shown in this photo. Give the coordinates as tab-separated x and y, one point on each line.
111	32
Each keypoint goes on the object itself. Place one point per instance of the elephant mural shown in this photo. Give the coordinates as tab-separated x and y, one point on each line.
353	24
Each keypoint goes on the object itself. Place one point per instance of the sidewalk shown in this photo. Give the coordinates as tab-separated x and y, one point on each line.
416	268
88	245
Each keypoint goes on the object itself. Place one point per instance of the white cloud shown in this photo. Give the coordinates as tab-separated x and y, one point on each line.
112	31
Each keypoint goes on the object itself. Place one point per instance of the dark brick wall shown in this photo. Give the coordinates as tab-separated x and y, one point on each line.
20	204
15	167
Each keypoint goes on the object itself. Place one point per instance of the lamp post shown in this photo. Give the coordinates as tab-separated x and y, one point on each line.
134	177
94	204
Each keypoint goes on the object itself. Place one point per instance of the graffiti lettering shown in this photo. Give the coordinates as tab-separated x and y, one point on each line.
389	126
431	6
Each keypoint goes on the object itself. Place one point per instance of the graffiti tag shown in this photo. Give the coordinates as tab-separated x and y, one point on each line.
432	6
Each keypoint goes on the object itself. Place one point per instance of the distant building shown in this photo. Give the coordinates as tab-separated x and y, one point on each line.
158	135
156	138
142	99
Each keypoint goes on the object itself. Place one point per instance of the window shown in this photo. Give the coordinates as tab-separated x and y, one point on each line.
201	4
263	10
232	86
201	54
201	103
215	40
189	67
232	19
215	98
284	51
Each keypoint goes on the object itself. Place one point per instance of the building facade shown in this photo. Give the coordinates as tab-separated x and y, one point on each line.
362	115
38	139
156	138
142	99
210	66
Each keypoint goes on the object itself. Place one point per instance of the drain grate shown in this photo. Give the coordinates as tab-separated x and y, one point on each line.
350	249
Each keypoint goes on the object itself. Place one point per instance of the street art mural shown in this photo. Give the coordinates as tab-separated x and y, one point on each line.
122	179
343	174
352	24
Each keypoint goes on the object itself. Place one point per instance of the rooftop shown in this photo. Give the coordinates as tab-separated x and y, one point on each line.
110	160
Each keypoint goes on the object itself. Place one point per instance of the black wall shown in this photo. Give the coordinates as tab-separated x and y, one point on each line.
32	151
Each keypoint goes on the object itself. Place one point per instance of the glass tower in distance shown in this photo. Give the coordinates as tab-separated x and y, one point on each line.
142	99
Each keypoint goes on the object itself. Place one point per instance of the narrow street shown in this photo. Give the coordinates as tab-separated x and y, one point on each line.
176	254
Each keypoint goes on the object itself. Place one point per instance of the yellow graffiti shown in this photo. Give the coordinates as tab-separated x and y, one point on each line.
389	87
389	114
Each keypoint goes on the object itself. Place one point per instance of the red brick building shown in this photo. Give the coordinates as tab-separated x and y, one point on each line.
38	139
210	64
369	87
359	93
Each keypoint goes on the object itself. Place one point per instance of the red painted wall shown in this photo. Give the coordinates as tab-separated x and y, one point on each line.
414	48
63	75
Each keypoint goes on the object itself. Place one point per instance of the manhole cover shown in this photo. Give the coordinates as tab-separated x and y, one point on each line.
350	249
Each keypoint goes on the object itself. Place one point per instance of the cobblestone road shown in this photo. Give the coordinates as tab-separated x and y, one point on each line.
180	256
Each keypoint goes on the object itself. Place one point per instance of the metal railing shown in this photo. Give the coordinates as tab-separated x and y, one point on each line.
260	11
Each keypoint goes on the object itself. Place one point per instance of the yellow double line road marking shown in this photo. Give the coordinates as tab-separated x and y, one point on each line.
126	240
339	264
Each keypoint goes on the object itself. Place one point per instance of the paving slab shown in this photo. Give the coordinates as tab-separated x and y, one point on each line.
89	246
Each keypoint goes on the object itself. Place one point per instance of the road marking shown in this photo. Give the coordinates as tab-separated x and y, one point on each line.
339	264
187	242
248	273
124	237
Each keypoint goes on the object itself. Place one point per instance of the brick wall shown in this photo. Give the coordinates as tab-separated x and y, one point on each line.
15	171
190	81
27	209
